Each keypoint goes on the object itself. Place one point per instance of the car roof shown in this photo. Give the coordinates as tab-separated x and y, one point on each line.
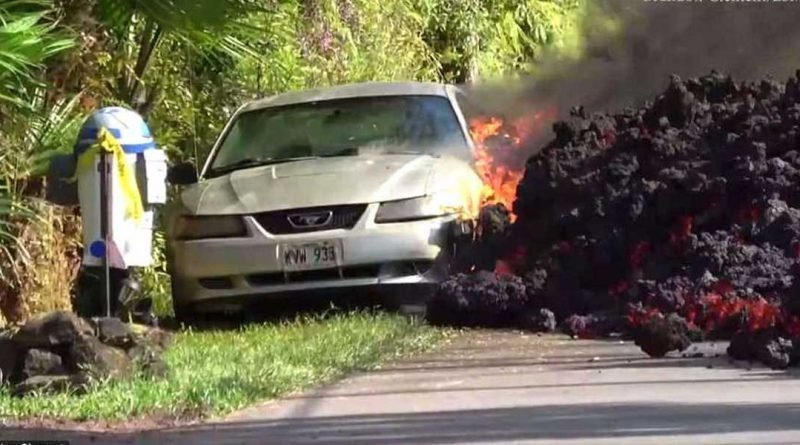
365	89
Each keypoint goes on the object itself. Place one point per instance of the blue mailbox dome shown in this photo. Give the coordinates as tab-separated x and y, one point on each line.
126	125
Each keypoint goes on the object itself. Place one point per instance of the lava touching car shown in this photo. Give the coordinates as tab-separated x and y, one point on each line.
356	187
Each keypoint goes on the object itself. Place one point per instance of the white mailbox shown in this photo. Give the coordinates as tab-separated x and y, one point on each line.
137	182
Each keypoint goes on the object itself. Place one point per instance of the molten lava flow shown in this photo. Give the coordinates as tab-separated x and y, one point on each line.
618	289
712	310
749	214
638	316
681	233
792	325
513	262
638	253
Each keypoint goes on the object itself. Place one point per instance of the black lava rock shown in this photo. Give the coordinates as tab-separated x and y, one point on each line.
775	352
593	325
660	335
40	362
542	320
481	299
765	346
113	332
692	194
687	205
742	347
52	329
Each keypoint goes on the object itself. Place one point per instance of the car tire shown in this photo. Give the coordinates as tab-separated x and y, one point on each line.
184	313
411	302
413	311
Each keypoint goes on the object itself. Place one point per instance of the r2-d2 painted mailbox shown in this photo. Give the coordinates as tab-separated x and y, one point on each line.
137	175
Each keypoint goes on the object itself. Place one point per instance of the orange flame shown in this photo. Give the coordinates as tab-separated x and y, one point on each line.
500	182
502	170
499	161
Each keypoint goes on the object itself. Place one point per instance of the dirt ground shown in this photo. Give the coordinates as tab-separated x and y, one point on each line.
509	388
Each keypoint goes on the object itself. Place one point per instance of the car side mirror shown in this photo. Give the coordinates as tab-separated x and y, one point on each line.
184	173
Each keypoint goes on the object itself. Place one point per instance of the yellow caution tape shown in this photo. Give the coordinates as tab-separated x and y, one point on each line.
123	173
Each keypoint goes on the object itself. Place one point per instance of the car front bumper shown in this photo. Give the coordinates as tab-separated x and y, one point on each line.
205	272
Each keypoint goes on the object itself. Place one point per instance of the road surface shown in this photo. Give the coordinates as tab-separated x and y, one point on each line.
507	388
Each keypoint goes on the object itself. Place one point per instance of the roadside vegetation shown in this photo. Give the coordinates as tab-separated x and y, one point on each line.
209	377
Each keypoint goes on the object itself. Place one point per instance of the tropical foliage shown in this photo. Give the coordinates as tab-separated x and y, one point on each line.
186	65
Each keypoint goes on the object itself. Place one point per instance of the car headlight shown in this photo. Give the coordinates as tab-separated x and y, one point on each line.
424	207
199	227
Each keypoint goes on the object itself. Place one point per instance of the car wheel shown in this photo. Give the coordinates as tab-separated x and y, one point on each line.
409	301
413	311
184	313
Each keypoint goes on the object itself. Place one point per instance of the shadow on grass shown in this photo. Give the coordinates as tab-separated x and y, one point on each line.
276	310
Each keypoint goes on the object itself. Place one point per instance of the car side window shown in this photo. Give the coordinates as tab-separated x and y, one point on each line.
431	119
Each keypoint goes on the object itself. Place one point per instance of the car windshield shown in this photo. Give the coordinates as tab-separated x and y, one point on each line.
394	124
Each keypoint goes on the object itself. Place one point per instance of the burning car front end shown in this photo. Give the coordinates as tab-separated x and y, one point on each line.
265	256
378	218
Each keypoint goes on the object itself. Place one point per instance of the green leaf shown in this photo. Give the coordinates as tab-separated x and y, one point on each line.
26	41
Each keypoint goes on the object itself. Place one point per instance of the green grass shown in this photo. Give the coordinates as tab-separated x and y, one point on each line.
217	372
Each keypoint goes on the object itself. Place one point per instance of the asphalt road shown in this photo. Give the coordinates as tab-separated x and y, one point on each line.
506	388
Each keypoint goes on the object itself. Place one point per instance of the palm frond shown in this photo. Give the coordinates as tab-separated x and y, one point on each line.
196	22
26	41
52	132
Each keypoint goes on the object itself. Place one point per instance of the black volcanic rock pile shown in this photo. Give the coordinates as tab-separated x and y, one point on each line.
60	352
689	205
480	299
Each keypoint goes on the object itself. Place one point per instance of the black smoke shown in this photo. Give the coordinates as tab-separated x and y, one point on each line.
747	40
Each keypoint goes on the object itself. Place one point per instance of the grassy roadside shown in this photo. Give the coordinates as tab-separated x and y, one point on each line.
217	372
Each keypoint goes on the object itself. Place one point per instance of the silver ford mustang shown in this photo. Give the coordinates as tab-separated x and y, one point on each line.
364	186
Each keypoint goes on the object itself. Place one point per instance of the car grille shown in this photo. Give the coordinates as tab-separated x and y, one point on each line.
270	279
343	217
387	270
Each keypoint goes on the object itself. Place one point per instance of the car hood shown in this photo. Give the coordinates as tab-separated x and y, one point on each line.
312	183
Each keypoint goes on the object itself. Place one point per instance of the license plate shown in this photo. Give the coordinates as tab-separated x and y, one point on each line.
320	255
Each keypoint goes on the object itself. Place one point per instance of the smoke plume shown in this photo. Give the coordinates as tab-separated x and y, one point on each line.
748	40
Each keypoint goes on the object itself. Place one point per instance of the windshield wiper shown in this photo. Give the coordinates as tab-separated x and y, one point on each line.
357	151
407	152
252	162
